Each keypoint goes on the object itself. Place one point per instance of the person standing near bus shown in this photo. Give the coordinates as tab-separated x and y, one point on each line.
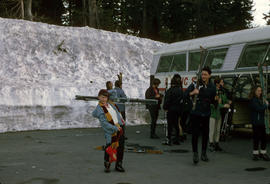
199	117
153	93
221	101
258	107
173	105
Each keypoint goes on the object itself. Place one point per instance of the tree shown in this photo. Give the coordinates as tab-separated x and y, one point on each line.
267	17
28	10
93	13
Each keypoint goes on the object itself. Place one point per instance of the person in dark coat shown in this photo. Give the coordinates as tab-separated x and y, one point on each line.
153	93
258	107
199	117
173	105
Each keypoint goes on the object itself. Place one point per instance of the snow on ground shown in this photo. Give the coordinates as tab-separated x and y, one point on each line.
44	66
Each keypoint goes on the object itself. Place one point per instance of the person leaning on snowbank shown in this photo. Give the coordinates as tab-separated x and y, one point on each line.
221	101
199	117
153	93
172	104
112	122
258	108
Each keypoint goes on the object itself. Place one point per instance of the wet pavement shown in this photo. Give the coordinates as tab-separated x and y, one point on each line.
70	157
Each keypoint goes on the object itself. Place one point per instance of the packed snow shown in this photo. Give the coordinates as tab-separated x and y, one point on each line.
44	66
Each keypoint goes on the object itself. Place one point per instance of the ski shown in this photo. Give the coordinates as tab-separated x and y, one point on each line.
119	100
198	74
136	149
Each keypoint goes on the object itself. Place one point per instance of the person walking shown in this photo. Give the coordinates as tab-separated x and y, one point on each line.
199	117
258	107
153	93
112	123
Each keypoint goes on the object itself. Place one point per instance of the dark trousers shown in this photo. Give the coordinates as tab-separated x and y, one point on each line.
123	114
259	136
120	150
172	120
154	117
199	124
183	122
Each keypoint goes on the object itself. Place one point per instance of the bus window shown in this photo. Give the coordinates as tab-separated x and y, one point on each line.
194	61
253	54
164	64
215	58
179	63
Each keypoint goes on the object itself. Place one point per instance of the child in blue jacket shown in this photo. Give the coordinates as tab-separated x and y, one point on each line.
112	122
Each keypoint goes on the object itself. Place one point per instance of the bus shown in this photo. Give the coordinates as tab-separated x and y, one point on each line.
234	56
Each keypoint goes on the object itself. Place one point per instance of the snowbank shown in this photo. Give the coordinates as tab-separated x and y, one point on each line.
44	66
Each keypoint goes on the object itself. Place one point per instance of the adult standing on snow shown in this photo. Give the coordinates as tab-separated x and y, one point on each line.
153	93
199	117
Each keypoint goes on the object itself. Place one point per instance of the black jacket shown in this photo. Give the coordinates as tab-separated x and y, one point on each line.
205	98
257	111
150	94
173	99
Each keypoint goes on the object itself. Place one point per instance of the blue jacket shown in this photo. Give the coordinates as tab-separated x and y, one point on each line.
205	98
118	93
257	111
108	128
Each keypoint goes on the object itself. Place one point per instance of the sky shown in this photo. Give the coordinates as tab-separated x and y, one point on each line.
261	6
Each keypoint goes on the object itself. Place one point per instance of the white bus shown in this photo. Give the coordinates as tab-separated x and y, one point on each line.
229	55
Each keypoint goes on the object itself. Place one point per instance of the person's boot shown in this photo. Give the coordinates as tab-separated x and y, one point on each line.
119	167
167	142
176	141
211	147
195	158
107	167
204	156
255	155
264	155
154	136
217	147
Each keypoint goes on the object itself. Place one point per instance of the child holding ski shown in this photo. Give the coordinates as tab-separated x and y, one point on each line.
112	122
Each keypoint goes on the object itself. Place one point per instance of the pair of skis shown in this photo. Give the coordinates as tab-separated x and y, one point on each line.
264	86
119	100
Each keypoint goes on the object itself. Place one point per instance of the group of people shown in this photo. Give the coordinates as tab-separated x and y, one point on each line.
202	104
